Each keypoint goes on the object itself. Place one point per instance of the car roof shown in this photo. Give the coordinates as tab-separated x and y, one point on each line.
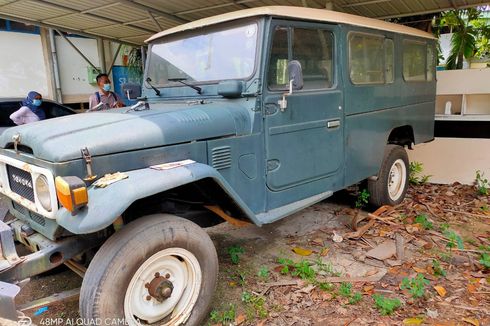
302	13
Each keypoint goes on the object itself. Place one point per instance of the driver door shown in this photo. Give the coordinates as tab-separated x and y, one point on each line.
304	142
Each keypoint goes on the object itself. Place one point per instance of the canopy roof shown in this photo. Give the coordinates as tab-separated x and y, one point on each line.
133	21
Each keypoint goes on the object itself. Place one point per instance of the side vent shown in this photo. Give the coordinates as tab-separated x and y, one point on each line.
221	157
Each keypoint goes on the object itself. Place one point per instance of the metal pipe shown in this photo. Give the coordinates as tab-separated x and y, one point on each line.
56	72
114	59
76	49
101	52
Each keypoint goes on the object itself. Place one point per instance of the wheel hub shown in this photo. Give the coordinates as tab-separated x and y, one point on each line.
160	288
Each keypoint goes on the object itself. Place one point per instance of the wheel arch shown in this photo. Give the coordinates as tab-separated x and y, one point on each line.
402	136
107	204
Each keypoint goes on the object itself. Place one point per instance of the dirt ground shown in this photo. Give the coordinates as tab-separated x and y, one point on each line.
420	263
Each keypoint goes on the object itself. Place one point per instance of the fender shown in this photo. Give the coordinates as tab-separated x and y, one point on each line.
106	204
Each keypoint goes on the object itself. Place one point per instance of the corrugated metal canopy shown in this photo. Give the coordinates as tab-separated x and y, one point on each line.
133	21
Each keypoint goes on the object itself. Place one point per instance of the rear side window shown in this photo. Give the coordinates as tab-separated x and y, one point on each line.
366	58
414	61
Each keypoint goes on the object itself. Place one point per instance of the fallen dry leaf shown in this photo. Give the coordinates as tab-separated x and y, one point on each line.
302	251
472	321
317	242
419	270
240	319
440	290
413	321
324	252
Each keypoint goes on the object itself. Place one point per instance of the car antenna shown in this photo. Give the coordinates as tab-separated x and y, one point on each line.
181	80
157	91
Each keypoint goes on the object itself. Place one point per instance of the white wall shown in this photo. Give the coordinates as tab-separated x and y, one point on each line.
22	66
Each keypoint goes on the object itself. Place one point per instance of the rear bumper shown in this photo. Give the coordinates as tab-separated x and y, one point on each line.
47	255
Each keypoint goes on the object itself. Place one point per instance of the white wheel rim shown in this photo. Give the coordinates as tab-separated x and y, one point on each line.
397	179
178	266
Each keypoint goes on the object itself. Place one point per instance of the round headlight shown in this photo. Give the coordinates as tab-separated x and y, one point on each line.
42	191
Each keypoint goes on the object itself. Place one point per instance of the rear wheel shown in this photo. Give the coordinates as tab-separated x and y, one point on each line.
160	270
392	182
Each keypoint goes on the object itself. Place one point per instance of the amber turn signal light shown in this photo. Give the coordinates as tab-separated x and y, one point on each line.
72	192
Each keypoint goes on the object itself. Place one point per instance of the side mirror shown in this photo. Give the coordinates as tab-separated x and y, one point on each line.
131	90
295	74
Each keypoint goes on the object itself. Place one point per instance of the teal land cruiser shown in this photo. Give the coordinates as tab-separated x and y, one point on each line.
245	117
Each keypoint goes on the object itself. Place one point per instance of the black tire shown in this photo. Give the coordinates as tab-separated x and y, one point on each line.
379	189
107	278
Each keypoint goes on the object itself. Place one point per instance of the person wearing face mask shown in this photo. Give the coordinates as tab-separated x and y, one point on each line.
30	111
104	98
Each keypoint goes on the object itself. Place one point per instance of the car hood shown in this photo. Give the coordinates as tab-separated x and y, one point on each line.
115	131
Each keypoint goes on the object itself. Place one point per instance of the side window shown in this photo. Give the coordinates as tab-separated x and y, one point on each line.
389	61
278	62
430	62
414	60
366	58
313	48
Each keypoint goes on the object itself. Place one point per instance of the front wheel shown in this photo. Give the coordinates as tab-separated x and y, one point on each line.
392	182
160	269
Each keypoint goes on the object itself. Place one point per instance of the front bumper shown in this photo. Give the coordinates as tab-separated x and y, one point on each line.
47	255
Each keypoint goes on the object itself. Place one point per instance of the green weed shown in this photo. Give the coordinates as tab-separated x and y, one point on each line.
416	286
263	273
481	183
356	298
386	306
325	286
362	198
235	251
485	260
345	289
303	270
438	270
454	239
424	222
225	317
255	305
415	174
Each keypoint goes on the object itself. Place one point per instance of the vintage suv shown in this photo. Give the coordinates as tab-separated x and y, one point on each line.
248	116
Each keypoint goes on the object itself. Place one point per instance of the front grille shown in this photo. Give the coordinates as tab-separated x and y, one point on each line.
25	212
19	208
20	182
37	218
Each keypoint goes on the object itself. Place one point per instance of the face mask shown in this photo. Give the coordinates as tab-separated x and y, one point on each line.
107	87
37	102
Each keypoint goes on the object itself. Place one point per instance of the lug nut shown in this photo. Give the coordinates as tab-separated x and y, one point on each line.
167	276
148	297
157	275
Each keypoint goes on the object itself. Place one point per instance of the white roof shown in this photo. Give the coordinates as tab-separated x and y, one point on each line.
309	14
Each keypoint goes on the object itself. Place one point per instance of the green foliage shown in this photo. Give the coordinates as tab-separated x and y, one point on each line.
386	306
416	286
443	227
345	289
356	298
235	251
225	317
303	270
362	198
255	305
485	260
263	273
415	176
422	220
325	286
454	239
438	270
285	264
469	32
481	183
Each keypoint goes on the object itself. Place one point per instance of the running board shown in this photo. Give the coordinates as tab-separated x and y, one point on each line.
280	212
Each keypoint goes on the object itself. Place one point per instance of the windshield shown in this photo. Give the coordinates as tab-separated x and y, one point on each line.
218	55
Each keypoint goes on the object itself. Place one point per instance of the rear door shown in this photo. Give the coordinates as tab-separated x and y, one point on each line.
304	142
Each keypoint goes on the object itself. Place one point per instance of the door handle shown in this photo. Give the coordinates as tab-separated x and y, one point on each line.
333	124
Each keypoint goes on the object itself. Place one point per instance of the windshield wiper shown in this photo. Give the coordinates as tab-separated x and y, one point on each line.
181	80
157	91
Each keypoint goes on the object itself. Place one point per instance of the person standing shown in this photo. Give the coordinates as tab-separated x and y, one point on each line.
104	98
30	111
